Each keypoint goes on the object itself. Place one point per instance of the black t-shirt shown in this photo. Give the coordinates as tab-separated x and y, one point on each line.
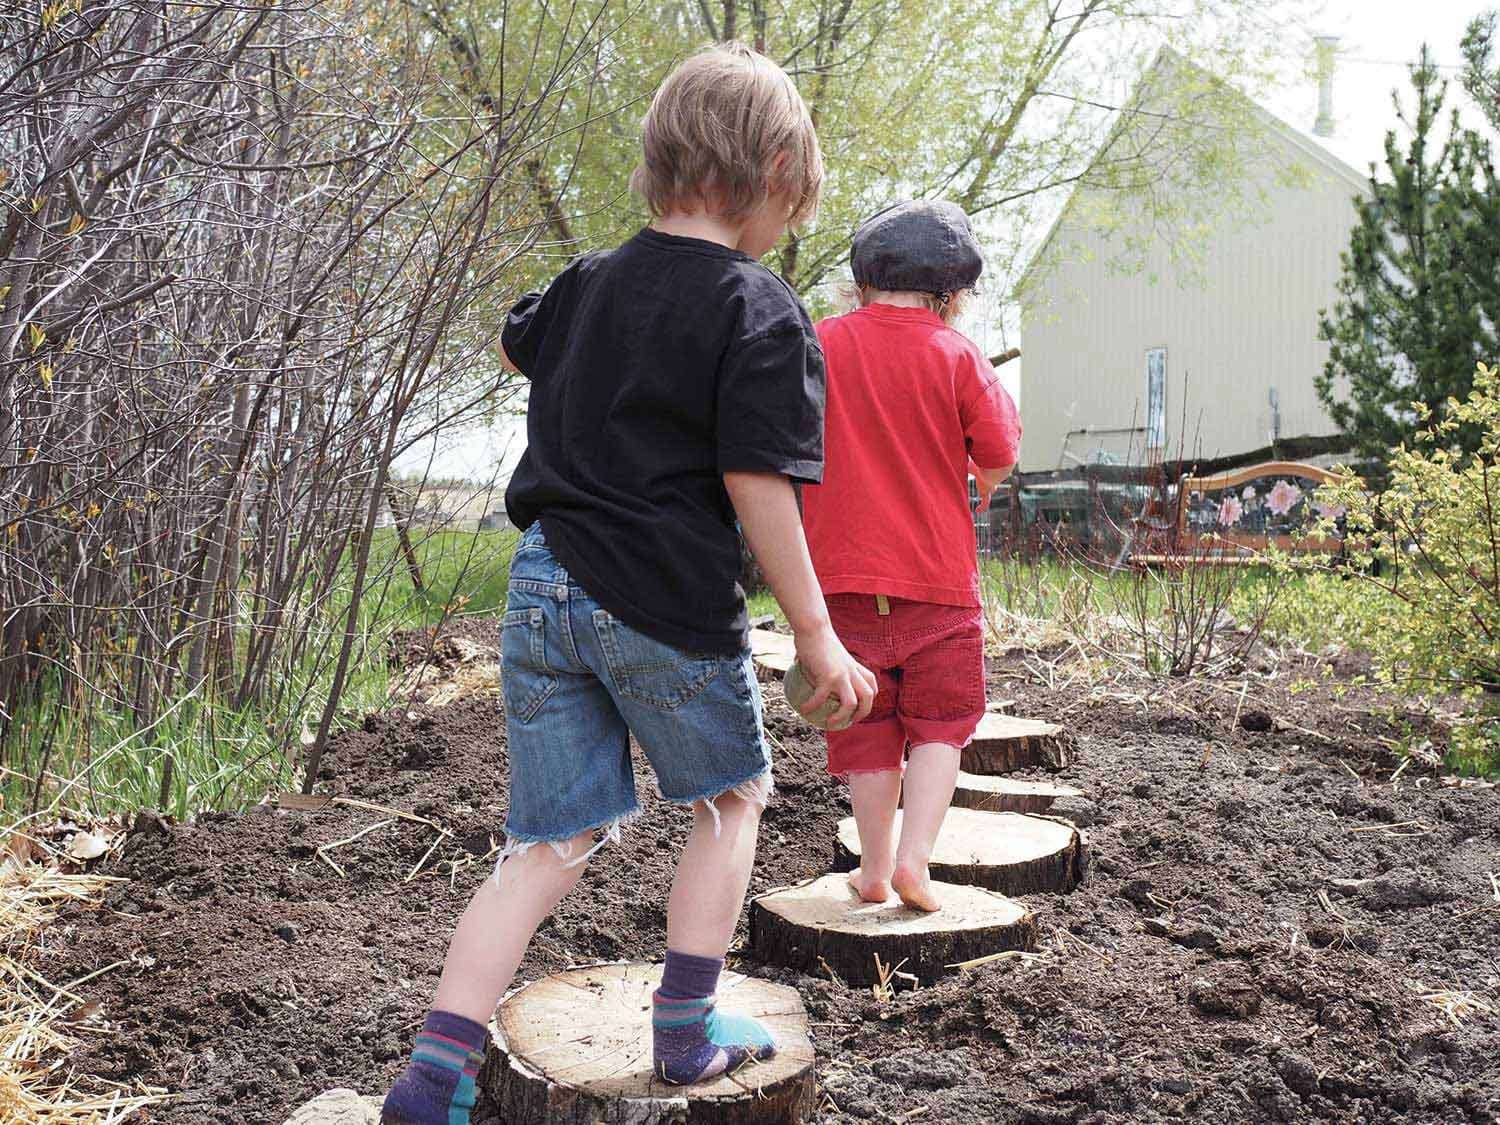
655	368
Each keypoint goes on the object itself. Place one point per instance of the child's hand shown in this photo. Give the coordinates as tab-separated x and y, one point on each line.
834	672
987	480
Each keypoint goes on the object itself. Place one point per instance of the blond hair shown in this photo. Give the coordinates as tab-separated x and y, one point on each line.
849	296
714	131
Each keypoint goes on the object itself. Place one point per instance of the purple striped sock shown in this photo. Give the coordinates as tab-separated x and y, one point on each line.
687	976
690	1040
437	1086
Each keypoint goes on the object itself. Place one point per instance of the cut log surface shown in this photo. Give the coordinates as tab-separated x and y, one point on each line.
575	1049
1008	794
1005	852
824	923
1005	743
773	652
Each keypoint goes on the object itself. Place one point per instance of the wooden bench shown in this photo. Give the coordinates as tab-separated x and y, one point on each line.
1231	519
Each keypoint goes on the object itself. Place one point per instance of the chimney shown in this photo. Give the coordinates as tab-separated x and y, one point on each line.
1326	45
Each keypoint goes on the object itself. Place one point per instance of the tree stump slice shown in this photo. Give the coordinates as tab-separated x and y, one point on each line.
823	922
1005	743
772	652
1005	852
575	1049
338	1107
1008	794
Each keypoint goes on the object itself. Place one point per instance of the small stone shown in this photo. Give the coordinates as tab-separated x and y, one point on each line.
338	1107
287	932
1141	789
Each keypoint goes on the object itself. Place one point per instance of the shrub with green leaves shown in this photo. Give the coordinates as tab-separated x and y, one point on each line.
1435	533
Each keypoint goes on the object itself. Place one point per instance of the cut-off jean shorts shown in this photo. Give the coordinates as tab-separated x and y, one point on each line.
578	682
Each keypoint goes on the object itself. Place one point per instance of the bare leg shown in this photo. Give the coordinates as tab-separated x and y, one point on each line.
931	772
713	873
495	930
875	795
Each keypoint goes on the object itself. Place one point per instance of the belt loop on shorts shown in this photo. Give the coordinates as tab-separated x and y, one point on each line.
882	605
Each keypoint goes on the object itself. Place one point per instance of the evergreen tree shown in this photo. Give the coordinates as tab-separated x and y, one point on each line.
1481	67
1418	297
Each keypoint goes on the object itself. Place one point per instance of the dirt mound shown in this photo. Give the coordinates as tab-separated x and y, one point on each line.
1270	930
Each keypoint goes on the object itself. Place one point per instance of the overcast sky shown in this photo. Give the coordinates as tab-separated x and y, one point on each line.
1378	39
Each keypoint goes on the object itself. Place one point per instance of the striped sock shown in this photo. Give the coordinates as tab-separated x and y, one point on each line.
691	1040
437	1086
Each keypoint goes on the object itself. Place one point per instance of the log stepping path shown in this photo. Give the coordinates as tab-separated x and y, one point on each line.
574	1048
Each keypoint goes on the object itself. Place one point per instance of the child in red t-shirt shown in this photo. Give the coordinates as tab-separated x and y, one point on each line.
914	409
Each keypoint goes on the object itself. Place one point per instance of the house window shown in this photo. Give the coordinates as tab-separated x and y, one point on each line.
1156	398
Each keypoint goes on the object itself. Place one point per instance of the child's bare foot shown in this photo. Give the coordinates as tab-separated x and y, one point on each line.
868	888
914	886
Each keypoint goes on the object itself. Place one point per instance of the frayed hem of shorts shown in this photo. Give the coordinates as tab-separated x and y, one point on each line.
758	789
563	846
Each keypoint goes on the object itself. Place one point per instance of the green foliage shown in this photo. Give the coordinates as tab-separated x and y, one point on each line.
1318	607
992	105
101	759
1481	76
1435	532
1419	299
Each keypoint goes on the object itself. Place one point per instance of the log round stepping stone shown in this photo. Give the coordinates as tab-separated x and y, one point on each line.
1008	794
1005	743
1005	852
823	924
772	652
575	1049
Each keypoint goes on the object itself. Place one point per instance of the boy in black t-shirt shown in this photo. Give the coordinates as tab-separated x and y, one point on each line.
676	385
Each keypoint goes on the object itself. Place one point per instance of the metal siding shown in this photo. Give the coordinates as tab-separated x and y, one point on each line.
1247	322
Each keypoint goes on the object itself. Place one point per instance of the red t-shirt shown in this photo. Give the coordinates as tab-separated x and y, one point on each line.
910	400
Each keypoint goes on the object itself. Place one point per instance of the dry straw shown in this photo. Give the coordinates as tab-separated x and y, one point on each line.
36	1085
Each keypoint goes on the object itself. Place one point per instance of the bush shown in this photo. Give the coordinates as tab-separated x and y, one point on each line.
1434	534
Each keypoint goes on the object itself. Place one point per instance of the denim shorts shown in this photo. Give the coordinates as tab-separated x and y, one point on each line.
578	682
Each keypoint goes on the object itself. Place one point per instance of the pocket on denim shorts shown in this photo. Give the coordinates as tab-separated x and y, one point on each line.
649	671
525	677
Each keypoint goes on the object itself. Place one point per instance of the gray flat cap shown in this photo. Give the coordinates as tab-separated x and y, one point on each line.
922	245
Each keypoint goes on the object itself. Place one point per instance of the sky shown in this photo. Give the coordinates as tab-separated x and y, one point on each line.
1377	41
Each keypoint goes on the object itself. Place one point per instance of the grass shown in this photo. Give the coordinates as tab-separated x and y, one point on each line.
94	759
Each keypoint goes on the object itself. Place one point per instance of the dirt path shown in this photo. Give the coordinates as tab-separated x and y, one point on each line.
1197	973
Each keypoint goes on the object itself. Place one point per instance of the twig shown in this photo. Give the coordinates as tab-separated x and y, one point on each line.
326	848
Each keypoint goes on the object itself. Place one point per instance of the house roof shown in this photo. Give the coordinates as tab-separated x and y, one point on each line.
1320	151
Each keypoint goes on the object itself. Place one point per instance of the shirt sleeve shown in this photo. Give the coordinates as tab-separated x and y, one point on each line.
992	428
531	318
770	409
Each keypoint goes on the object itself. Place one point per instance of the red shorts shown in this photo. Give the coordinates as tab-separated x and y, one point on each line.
929	660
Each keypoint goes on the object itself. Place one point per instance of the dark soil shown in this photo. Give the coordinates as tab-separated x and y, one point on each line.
1196	973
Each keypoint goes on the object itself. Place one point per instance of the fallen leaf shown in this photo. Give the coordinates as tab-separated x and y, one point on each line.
86	846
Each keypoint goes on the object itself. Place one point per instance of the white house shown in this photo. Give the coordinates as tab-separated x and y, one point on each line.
1161	360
